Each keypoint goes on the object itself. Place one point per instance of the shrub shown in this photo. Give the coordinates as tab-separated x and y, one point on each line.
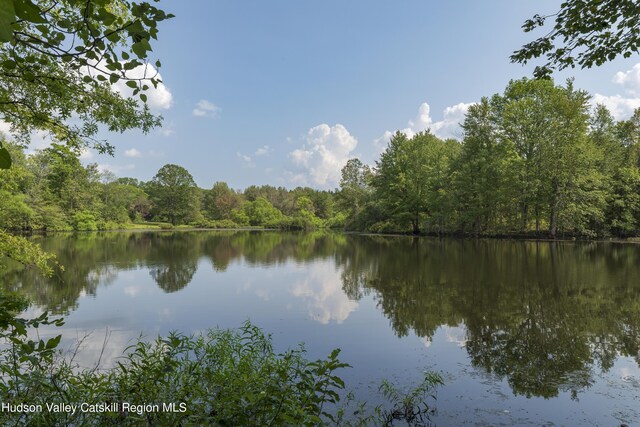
84	221
222	377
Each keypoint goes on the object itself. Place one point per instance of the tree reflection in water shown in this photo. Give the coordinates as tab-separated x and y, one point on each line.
546	316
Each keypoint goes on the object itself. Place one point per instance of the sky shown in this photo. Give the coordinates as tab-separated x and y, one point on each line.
284	92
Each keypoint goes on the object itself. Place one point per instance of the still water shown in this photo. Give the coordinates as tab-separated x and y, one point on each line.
524	333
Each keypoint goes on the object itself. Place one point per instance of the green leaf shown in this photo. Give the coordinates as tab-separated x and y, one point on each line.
53	342
132	84
5	158
27	10
143	97
8	64
7	17
141	48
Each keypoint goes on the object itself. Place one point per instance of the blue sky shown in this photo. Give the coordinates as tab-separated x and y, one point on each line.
284	92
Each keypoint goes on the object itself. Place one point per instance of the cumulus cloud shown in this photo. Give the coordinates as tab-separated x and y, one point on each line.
629	79
325	152
206	108
448	127
622	106
132	153
248	161
158	98
262	150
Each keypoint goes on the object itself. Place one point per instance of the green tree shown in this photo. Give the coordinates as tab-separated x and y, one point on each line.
355	187
485	171
261	212
559	184
173	193
59	59
220	201
61	179
399	182
410	177
585	33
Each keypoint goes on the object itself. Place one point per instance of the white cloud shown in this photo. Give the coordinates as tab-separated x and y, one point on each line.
622	106
5	128
248	162
448	127
324	154
167	131
205	108
265	149
132	153
86	154
158	98
104	167
630	80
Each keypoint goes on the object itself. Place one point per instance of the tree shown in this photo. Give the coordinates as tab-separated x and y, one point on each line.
262	212
585	33
220	201
558	177
409	179
65	182
485	171
173	193
354	187
59	59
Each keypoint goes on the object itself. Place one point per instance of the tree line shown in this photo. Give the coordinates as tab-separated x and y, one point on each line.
533	160
52	190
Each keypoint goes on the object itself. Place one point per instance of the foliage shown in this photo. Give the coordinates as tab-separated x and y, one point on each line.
59	59
585	33
409	177
262	212
533	161
173	193
15	214
21	250
220	201
84	221
221	377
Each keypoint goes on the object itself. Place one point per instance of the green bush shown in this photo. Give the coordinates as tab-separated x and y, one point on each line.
15	214
221	377
84	221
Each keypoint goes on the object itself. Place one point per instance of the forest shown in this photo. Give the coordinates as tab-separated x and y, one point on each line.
536	160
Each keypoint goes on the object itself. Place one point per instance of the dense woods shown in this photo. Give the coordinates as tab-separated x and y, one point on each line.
535	160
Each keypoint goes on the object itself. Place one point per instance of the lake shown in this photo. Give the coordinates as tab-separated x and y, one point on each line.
523	332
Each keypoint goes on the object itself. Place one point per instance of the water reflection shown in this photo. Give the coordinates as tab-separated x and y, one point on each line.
322	293
547	317
542	315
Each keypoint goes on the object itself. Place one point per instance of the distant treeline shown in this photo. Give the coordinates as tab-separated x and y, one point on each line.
535	160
